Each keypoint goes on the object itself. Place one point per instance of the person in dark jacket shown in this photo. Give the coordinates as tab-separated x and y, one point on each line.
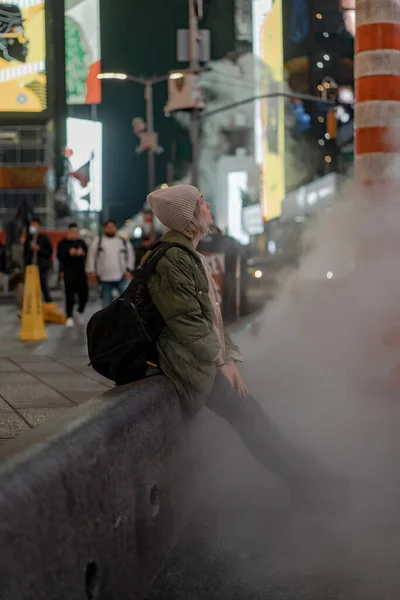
18	268
71	253
198	355
39	251
147	242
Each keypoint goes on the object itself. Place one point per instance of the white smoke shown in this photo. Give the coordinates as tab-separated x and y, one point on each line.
231	81
325	364
326	328
227	82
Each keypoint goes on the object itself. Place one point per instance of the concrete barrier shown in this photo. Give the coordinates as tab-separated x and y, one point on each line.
90	502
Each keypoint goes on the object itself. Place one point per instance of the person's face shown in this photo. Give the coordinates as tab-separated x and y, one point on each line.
73	233
34	227
205	211
110	229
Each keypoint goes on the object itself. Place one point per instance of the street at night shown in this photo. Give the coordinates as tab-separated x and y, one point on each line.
199	300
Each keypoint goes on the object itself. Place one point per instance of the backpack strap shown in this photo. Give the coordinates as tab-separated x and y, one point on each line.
99	249
158	251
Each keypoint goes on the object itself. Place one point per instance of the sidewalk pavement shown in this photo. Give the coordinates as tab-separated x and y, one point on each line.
40	380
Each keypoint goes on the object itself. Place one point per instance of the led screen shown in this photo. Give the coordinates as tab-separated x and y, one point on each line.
270	113
84	153
82	51
23	83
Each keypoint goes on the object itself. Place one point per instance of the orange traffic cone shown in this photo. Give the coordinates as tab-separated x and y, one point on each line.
32	325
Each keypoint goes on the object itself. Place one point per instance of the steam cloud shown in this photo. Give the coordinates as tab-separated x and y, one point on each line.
325	364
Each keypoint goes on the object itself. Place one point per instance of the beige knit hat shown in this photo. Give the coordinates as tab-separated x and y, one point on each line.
174	206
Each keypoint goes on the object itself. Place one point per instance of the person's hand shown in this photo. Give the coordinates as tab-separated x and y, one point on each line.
228	372
80	252
238	381
35	247
231	373
128	276
72	251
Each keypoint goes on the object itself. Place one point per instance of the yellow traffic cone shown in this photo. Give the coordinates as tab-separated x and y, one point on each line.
32	326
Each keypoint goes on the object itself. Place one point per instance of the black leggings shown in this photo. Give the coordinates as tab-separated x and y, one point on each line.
75	285
260	436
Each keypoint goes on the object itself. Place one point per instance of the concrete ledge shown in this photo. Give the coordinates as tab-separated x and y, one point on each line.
90	502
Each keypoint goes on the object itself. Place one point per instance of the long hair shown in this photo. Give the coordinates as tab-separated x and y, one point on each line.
197	225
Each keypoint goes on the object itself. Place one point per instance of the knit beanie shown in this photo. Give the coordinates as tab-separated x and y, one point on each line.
174	206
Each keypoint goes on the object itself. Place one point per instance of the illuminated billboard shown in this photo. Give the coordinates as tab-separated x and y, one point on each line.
85	157
270	115
82	51
23	83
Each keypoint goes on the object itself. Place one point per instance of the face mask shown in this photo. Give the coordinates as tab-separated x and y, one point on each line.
32	230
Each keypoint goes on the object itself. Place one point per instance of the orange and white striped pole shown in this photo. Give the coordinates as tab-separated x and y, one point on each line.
377	75
377	111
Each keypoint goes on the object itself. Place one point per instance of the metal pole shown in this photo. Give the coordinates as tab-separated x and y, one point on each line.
308	97
195	139
150	128
195	120
377	91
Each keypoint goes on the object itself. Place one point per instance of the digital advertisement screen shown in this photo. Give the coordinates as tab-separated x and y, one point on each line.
85	161
270	115
82	51
23	83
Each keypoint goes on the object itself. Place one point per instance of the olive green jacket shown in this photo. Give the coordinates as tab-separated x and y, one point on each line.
188	345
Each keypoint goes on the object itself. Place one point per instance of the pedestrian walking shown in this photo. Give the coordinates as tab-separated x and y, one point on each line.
198	355
147	242
71	253
3	264
112	260
39	251
17	267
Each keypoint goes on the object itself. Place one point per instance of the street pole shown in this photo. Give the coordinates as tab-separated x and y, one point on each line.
288	95
150	128
148	84
377	77
195	120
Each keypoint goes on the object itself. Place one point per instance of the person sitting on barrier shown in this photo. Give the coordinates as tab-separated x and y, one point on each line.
195	351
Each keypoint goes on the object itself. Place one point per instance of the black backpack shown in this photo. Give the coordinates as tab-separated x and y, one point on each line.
122	337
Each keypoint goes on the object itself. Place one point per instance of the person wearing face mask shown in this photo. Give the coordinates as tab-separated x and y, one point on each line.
112	260
38	251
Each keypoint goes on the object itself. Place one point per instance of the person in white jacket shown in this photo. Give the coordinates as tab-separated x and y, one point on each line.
112	259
